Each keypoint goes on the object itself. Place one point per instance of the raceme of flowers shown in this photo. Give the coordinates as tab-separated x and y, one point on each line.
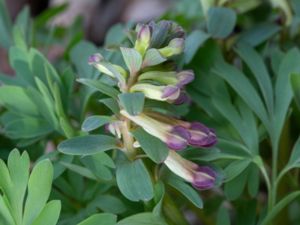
151	71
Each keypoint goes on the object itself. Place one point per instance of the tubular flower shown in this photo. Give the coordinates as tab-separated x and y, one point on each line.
176	137
175	133
170	88
201	177
114	71
143	38
156	92
175	47
200	135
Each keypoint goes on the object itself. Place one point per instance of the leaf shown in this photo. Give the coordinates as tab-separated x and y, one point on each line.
109	203
79	170
41	19
4	213
159	193
236	168
241	84
295	82
5	25
16	99
39	187
79	57
256	64
100	219
253	180
15	183
226	108
23	24
27	127
259	33
295	155
94	122
223	217
115	35
187	191
152	146
279	206
41	68
132	102
283	90
98	164
142	219
112	104
87	145
192	44
220	21
49	214
100	86
133	59
234	188
134	181
152	58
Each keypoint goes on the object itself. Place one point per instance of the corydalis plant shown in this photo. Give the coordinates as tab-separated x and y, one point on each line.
149	72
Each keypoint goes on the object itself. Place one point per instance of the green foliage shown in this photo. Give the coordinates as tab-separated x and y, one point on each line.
31	208
134	181
245	57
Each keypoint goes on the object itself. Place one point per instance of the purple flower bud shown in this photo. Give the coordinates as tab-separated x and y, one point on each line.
201	136
185	77
95	58
175	47
204	178
171	92
183	98
144	33
201	177
178	138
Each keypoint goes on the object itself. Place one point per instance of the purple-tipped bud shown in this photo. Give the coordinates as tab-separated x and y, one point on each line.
95	58
183	98
175	47
160	93
185	77
204	178
201	136
144	33
178	138
170	92
143	38
201	177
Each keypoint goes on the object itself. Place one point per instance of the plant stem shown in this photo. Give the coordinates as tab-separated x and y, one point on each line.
128	139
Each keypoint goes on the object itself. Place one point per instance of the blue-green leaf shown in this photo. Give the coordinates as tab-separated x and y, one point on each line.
193	42
260	72
88	145
94	122
187	191
152	146
100	86
221	21
132	102
142	219
134	181
100	219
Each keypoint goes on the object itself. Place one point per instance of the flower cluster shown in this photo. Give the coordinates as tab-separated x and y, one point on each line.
150	71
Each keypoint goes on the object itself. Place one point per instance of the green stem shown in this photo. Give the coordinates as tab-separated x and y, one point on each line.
128	139
269	186
273	189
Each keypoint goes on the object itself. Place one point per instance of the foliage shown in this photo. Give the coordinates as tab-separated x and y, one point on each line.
107	128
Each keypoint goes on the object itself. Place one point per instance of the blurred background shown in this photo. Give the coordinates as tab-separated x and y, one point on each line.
94	17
